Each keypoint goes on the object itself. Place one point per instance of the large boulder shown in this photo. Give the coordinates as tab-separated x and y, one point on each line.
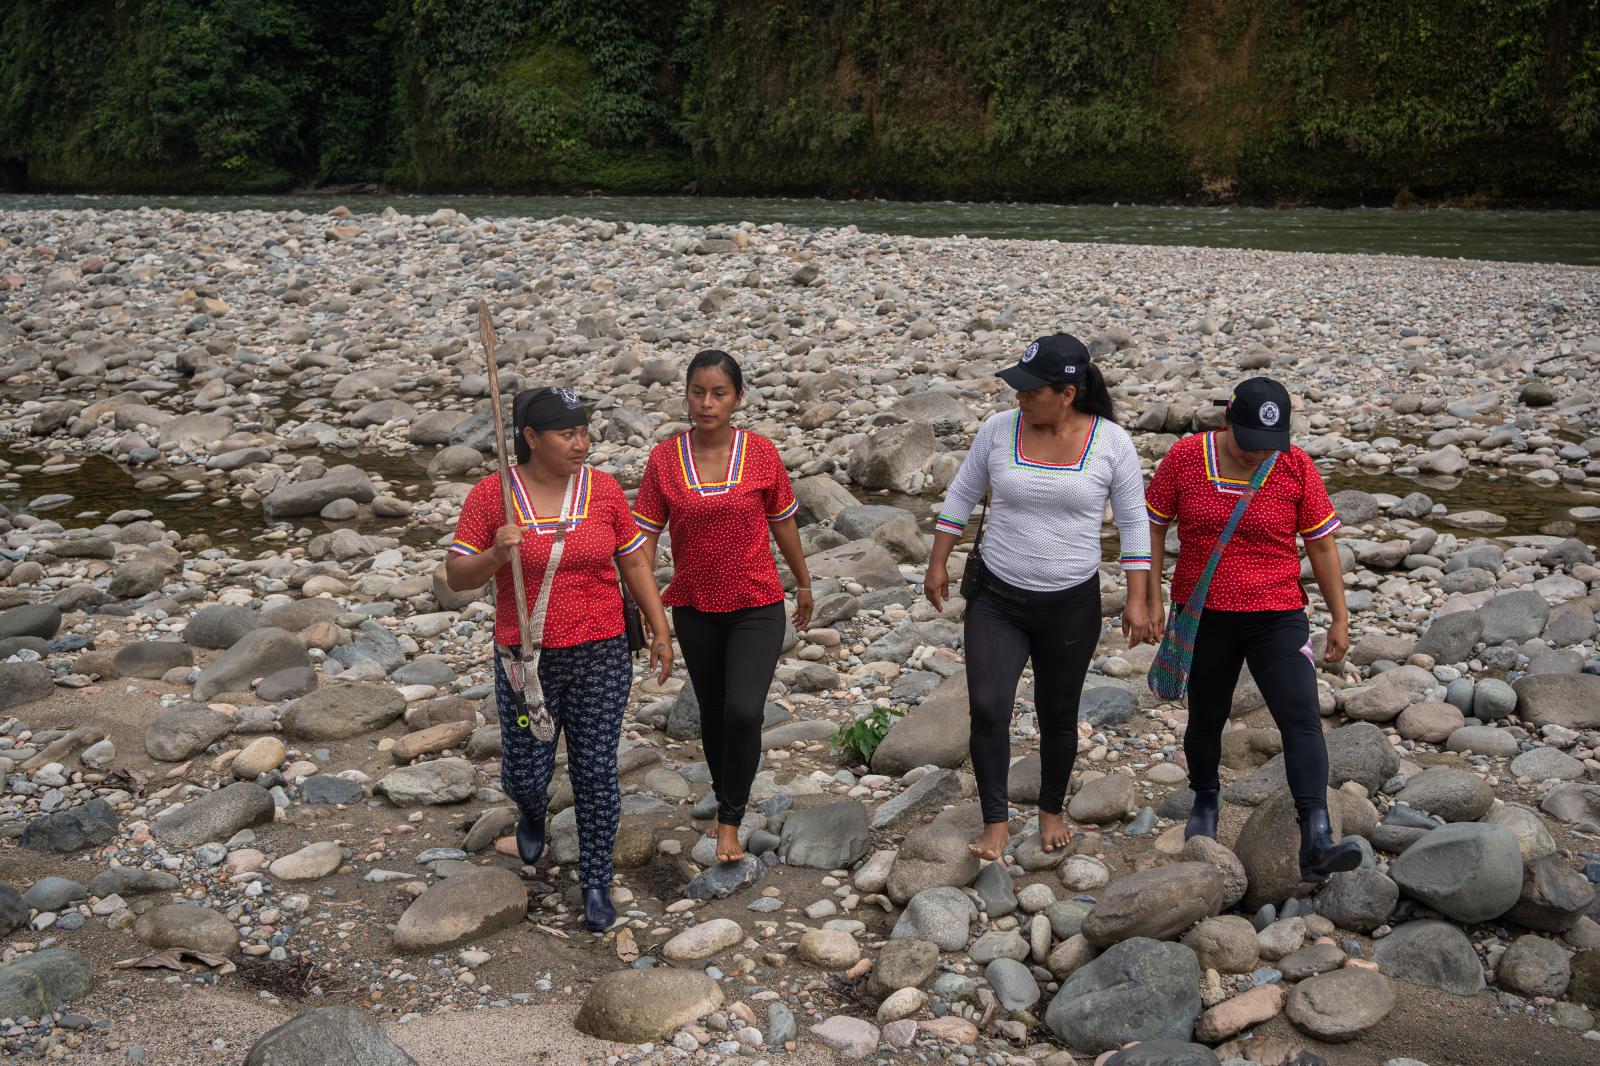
820	498
639	1006
1553	897
1340	1005
259	653
824	838
1534	966
30	620
1518	615
942	916
1105	800
936	855
181	925
221	625
906	963
73	829
1159	904
186	729
471	904
22	683
1452	638
1140	989
348	1036
311	496
215	816
893	457
1361	753
1268	845
1568	700
937	731
151	659
1358	900
36	984
1574	803
1451	794
1432	953
1469	871
863	561
429	783
1227	944
338	712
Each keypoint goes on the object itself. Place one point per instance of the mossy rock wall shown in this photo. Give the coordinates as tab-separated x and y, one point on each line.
1326	101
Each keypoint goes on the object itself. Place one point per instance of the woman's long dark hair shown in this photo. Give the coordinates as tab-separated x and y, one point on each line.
715	358
1092	397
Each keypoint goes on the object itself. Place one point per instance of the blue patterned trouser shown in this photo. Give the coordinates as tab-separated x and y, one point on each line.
586	690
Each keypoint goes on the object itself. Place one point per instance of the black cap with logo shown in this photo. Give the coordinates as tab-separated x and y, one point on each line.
1258	415
1059	359
547	409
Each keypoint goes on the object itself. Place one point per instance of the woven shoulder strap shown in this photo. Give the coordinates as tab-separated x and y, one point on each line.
536	609
1202	587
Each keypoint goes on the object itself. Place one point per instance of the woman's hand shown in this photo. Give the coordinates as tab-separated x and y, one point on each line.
506	540
1156	615
1338	640
802	608
936	585
1136	622
660	652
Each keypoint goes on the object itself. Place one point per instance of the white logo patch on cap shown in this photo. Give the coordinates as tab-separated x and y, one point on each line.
1033	350
1269	414
570	398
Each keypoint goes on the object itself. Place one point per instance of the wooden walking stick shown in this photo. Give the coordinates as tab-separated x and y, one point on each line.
528	683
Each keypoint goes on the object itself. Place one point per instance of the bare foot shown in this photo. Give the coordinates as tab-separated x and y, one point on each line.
711	830
992	844
1054	832
728	847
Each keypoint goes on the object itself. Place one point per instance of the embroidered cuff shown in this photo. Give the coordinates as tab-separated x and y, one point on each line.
1323	528
649	525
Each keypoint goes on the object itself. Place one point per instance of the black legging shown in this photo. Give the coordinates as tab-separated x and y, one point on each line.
1277	645
730	656
1005	627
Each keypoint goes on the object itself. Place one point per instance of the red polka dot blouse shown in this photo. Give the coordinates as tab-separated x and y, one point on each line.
1260	571
585	597
721	543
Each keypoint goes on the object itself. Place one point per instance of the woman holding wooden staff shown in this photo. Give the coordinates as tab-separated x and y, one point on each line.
570	530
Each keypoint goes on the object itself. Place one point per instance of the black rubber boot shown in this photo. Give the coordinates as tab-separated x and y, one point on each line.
1203	815
530	840
1319	855
598	910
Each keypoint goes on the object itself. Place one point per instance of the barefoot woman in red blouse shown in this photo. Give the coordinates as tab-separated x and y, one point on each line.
720	489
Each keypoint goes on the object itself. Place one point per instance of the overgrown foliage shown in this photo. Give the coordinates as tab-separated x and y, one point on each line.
1262	99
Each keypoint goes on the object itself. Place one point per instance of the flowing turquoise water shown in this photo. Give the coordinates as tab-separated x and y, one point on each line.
1514	236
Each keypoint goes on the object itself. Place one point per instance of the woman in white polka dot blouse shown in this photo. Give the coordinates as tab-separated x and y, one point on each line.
1050	467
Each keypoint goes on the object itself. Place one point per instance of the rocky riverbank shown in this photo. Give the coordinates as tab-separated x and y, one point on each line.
253	757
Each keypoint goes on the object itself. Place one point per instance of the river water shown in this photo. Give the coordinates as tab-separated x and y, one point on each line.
97	486
1571	237
101	486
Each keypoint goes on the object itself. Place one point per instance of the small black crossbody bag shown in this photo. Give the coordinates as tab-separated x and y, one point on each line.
975	571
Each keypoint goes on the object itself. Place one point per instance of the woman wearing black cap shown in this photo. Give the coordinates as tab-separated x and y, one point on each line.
726	496
584	667
1254	609
1050	466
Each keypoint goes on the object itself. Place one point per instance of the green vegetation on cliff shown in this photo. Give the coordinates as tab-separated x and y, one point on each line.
1323	100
